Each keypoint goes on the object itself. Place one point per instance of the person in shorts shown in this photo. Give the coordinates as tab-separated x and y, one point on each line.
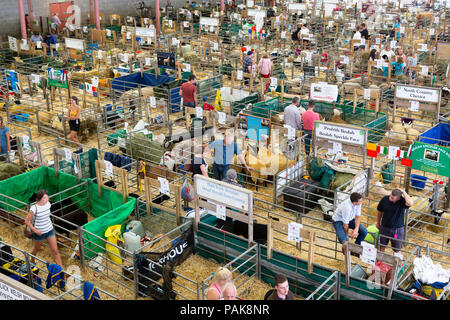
43	227
73	115
391	218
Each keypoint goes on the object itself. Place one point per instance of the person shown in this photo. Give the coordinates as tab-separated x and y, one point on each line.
5	138
364	32
400	54
387	51
221	278
390	218
73	115
397	25
265	69
224	151
206	105
232	178
373	55
356	36
247	67
229	291
36	37
411	61
50	39
284	19
199	165
43	227
281	291
55	22
296	33
304	35
385	69
292	116
348	215
188	91
308	118
398	66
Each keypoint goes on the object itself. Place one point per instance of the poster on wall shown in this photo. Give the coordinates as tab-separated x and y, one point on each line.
430	158
324	92
57	78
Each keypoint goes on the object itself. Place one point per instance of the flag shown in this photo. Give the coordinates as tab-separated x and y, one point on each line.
371	146
406	162
372	153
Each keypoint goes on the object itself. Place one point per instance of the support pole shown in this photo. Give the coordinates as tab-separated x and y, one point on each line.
97	14
23	26
158	17
30	11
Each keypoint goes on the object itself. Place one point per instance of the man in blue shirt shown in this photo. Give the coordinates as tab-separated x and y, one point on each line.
50	39
224	151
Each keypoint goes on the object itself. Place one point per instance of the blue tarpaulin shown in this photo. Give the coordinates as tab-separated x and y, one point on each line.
439	134
131	81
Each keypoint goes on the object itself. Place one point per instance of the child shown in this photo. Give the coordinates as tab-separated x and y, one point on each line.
385	69
398	66
206	105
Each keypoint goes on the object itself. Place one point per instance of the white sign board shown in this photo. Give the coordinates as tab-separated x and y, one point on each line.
343	134
297	7
74	44
324	92
417	93
255	12
12	43
209	21
294	231
9	293
145	32
219	192
369	254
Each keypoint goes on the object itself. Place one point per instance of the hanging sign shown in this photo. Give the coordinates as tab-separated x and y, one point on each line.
222	117
108	168
294	231
68	155
417	93
12	43
164	186
430	158
339	133
324	92
369	254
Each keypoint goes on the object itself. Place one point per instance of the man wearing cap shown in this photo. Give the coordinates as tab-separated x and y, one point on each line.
224	151
247	65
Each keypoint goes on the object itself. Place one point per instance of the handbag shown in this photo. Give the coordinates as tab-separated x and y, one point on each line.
28	233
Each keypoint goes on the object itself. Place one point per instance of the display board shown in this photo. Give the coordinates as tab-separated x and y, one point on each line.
57	78
74	44
166	60
209	21
256	127
324	92
430	158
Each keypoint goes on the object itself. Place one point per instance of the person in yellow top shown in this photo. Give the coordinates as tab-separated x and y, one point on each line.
73	115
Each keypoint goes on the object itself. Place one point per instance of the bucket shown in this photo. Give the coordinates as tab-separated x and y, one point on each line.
132	241
136	227
418	182
358	272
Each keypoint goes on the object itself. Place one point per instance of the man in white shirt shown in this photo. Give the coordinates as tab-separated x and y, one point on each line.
348	216
292	115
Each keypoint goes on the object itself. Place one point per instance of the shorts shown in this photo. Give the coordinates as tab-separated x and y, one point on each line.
395	233
45	235
74	125
266	76
189	104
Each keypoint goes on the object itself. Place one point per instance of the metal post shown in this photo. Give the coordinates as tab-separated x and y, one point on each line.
338	285
80	247
135	277
27	260
23	26
258	261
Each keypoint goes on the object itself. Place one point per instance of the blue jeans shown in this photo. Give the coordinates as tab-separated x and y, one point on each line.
220	171
43	236
340	232
308	137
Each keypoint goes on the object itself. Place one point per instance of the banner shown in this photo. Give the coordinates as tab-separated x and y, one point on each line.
57	78
430	158
343	134
417	93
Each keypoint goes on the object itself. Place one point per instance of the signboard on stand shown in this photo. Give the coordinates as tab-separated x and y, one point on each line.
430	158
324	92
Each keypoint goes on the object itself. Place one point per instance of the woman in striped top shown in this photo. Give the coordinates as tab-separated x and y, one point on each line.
43	227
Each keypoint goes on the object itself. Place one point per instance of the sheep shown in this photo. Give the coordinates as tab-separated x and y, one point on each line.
241	229
378	191
337	116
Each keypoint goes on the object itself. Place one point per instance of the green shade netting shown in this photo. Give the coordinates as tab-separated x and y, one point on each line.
108	209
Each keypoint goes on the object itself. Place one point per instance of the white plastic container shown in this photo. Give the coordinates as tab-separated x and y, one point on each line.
132	241
136	227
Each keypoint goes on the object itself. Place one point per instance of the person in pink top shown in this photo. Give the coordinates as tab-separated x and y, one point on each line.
308	118
265	68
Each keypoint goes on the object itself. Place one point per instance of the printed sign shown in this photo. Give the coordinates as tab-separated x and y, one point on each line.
74	44
324	92
221	212
108	168
240	75
164	186
220	193
430	158
291	131
153	102
57	78
209	21
417	93
294	231
10	293
68	154
369	254
12	43
343	134
414	106
199	112
222	117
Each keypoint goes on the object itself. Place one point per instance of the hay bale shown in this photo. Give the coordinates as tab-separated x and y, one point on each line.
8	170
